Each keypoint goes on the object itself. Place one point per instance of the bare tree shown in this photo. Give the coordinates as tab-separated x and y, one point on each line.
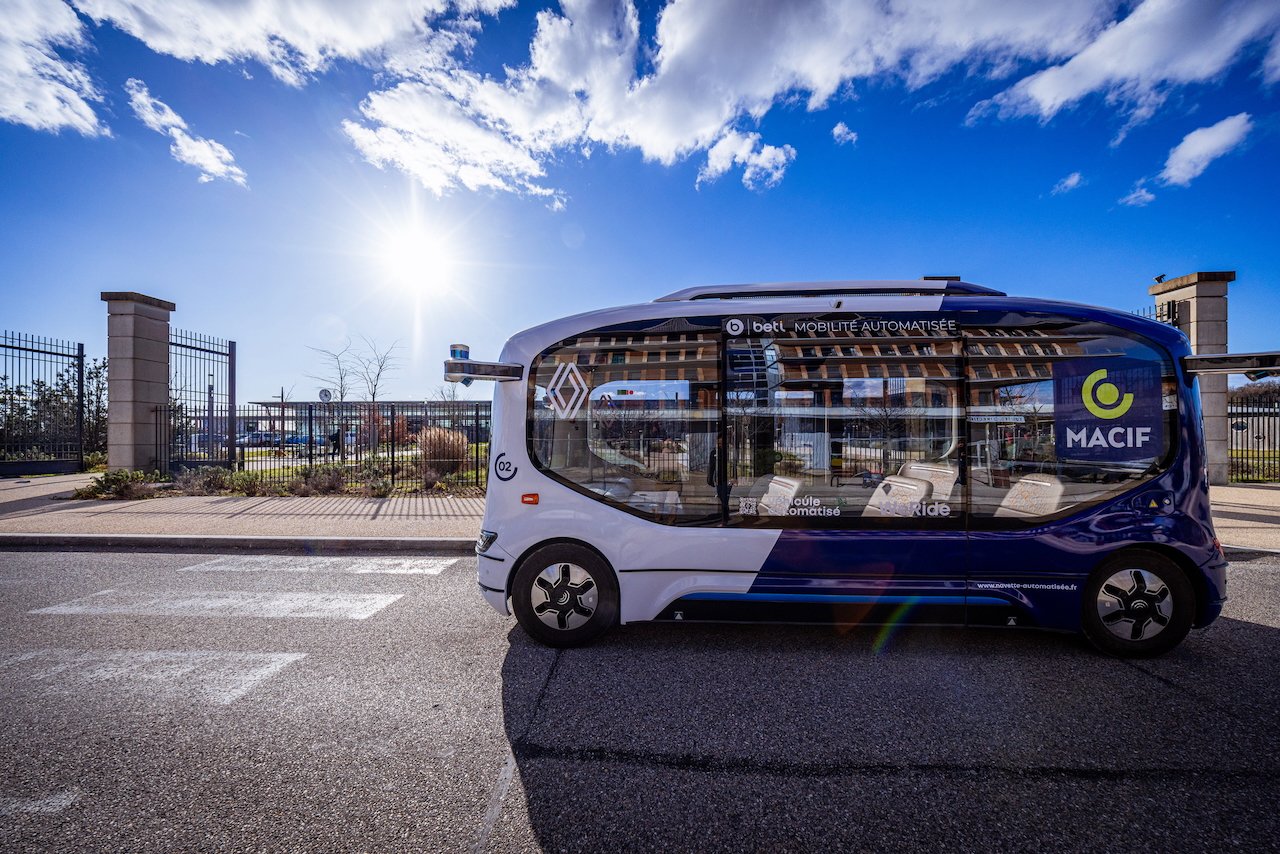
374	364
339	370
447	393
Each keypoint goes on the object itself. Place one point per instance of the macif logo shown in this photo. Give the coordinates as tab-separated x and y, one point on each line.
1101	400
1108	412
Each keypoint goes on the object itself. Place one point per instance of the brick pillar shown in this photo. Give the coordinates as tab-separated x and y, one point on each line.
1202	315
137	376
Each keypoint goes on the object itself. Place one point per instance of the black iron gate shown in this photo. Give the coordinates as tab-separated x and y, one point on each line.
1253	423
197	427
41	405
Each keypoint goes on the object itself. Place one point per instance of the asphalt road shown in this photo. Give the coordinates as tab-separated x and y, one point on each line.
197	702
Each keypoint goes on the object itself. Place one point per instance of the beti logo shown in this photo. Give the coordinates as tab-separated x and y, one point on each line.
1101	400
736	326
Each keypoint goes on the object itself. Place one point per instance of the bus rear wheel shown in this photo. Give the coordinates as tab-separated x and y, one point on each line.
565	595
1137	605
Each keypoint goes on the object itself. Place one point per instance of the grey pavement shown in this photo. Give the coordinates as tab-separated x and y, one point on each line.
42	506
1246	517
193	702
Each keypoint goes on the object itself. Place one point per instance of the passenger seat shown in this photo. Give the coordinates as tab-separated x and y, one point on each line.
1030	496
898	496
942	475
778	494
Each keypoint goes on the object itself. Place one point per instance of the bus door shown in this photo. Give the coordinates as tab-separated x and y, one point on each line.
847	438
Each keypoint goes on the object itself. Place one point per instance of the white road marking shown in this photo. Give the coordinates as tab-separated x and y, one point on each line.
50	805
216	677
352	565
497	798
229	603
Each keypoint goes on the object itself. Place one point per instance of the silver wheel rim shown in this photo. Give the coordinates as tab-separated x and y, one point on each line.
564	596
1135	605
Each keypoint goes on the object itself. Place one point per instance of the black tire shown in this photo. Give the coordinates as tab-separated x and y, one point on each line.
573	603
1127	598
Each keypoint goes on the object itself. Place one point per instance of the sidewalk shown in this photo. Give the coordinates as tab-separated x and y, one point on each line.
36	506
1246	517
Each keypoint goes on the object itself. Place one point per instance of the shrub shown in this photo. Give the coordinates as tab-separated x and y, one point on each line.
206	480
373	478
96	461
250	483
122	484
319	480
443	451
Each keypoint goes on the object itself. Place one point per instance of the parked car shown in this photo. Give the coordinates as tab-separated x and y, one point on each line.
198	442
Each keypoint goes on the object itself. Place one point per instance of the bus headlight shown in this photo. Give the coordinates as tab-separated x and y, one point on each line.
485	540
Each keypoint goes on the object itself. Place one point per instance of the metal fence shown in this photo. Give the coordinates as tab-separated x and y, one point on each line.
312	447
1254	438
1165	312
41	405
202	384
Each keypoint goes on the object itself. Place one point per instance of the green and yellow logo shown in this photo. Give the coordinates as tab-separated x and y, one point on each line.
1102	400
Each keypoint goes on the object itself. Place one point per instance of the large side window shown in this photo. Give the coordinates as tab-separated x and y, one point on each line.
845	423
1062	415
632	418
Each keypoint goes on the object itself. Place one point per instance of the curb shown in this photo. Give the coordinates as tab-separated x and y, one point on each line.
1229	550
215	543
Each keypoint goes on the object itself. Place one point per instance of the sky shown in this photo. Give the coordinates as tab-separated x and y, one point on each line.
297	173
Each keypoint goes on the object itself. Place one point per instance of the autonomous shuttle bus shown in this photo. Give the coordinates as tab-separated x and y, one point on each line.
854	453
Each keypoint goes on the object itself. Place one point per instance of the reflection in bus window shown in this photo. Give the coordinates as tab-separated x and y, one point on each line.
632	419
843	432
1061	419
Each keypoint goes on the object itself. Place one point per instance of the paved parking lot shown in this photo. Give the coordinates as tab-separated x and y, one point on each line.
165	702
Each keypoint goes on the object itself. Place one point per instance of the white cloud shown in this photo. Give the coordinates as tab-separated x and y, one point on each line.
714	66
699	87
210	157
1201	147
155	114
1140	197
1138	60
1271	65
763	165
292	38
426	133
1067	184
38	87
842	135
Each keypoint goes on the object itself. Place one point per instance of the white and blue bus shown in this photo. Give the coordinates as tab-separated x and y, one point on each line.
853	453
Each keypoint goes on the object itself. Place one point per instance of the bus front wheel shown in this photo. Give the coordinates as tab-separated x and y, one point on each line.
1138	605
565	595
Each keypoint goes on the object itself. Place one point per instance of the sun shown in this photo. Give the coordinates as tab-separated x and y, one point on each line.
415	260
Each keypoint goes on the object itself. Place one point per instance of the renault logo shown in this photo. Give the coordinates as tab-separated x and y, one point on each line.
567	390
1101	400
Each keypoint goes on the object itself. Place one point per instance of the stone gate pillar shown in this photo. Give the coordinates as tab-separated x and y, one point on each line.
137	376
1202	315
